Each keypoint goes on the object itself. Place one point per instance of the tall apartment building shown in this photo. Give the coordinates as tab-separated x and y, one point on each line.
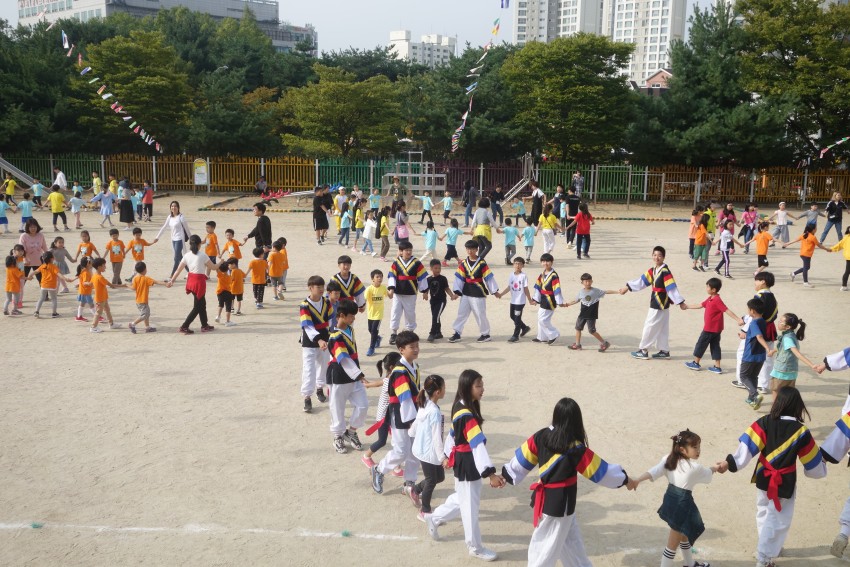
650	24
432	50
284	36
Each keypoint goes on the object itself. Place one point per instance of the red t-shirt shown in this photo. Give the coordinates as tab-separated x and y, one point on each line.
583	223
714	310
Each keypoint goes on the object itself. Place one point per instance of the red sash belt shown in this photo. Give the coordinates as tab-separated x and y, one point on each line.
405	278
321	326
659	289
546	292
375	427
474	280
540	494
456	449
774	476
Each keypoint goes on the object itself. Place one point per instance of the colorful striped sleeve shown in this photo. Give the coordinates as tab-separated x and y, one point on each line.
401	386
594	468
422	277
754	438
809	453
672	288
473	434
641	282
837	444
839	360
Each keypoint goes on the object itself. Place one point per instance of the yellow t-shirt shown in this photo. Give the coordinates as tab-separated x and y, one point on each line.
385	227
96	185
549	222
358	219
113	186
10	186
57	202
375	302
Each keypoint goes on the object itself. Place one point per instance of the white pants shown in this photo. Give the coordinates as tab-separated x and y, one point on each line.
844	518
355	393
477	306
401	453
314	365
546	331
548	240
656	330
764	374
772	525
464	502
557	538
403	304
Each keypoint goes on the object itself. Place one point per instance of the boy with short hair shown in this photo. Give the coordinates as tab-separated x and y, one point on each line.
427	205
547	294
9	185
257	269
473	282
812	216
57	207
438	287
511	233
117	252
375	201
447	206
223	294
36	189
756	351
211	243
76	202
278	264
315	313
374	295
519	205
763	283
528	238
573	201
402	390
237	284
142	284
137	249
712	326
589	297
518	287
334	294
25	208
405	278
665	292
763	241
101	296
231	246
350	285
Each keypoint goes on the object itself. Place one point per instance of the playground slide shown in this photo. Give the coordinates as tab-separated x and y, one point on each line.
517	188
17	173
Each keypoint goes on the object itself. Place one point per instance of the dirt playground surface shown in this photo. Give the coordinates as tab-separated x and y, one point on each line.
164	449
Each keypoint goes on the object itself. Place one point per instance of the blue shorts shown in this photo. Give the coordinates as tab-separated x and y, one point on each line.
85	300
4	220
25	219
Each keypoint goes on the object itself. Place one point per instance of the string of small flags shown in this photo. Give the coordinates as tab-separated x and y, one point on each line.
116	105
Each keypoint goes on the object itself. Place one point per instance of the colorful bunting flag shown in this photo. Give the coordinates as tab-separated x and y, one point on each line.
86	70
65	43
838	143
70	50
101	89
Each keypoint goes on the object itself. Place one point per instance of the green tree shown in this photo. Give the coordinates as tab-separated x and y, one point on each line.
367	63
192	35
571	96
241	44
797	53
338	115
149	80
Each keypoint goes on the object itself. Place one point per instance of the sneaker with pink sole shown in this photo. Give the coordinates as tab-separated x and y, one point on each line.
367	461
398	472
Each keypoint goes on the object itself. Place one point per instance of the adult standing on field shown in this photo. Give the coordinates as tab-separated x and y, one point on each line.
578	183
262	233
470	200
320	215
180	233
60	179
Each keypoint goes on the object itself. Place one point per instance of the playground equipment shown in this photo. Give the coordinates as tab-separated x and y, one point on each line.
416	176
20	175
527	176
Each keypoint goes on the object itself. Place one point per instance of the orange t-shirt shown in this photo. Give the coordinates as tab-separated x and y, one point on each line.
701	236
231	247
98	282
49	276
763	240
86	249
13	279
211	245
258	271
137	247
85	283
278	262
237	283
807	246
114	245
142	285
692	230
224	282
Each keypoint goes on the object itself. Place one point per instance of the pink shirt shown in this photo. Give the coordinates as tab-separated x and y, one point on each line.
34	246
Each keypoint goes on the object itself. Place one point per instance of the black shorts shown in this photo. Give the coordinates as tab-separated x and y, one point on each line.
762	261
591	324
446	213
237	296
225	299
320	222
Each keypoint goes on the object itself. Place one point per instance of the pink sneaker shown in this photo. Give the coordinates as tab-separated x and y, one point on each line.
398	471
367	461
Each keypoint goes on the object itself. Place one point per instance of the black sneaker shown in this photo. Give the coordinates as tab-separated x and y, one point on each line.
536	340
524	331
353	439
513	339
308	405
552	341
484	339
320	393
430	338
454	338
661	355
739	384
392	339
438	335
339	444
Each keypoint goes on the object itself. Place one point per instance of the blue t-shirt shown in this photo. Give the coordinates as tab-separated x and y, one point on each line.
135	200
430	239
76	203
427	203
374	201
451	235
37	188
77	189
511	233
753	351
26	208
345	220
528	236
3	206
520	207
447	203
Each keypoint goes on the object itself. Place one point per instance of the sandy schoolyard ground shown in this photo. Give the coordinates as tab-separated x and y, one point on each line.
163	449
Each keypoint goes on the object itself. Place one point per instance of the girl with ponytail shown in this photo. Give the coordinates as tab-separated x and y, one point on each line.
427	433
792	330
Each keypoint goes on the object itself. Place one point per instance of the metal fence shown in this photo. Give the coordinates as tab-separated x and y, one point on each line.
605	183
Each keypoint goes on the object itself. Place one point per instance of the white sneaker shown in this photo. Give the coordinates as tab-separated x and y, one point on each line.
483	554
793	276
374	254
115	326
807	284
95	330
839	544
230	324
432	527
843	288
216	319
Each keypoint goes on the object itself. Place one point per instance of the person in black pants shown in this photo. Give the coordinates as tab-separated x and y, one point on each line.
438	288
496	198
573	201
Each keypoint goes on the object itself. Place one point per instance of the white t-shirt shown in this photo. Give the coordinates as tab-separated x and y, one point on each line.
781	217
196	263
518	283
176	225
725	240
369	229
687	475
